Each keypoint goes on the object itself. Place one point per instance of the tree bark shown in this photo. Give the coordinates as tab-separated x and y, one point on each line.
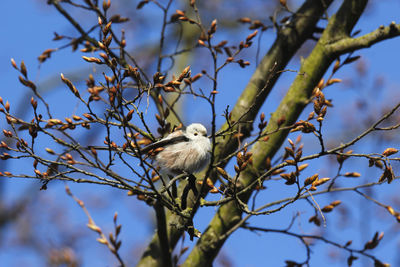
292	105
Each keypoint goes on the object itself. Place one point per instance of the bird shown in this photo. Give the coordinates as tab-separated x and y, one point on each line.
179	152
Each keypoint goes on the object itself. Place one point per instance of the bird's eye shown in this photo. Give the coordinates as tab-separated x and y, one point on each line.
195	134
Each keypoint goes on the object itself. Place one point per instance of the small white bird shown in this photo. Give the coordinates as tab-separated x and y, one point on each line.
187	151
182	151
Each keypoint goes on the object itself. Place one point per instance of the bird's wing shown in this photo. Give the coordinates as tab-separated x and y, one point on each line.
172	138
165	142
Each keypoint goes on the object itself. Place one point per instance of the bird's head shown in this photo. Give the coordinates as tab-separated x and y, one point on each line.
196	129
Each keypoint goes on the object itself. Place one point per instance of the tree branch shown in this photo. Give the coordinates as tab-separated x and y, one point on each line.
162	234
349	44
289	40
288	111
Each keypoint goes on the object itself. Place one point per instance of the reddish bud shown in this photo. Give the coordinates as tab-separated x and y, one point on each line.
14	64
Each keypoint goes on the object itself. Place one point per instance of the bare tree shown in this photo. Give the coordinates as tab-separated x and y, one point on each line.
148	84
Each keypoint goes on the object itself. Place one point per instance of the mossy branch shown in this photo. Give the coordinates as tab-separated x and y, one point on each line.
349	44
289	40
290	108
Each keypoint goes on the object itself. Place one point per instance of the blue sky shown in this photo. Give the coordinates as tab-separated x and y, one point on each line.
28	30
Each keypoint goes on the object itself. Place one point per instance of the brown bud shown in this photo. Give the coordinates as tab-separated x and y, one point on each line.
88	116
33	103
158	149
101	45
292	179
55	121
320	181
76	118
155	178
389	151
290	162
302	167
278	171
332	81
315	220
169	89
214	190
94	152
348	243
222	43
251	36
185	73
310	179
268	163
104	56
222	172
311	115
70	85
245	20
352	174
38	172
201	42
213	27
196	77
141	4
106	5
94	227
390	176
289	151
7	106
129	115
50	151
237	169
5	156
281	120
262	116
321	84
336	66
351	59
210	183
336	203
239	158
290	142
92	60
27	83
390	210
327	208
180	12
107	41
23	69
14	64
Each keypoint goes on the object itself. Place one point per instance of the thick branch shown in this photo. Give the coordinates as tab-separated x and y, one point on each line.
290	108
348	44
162	234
